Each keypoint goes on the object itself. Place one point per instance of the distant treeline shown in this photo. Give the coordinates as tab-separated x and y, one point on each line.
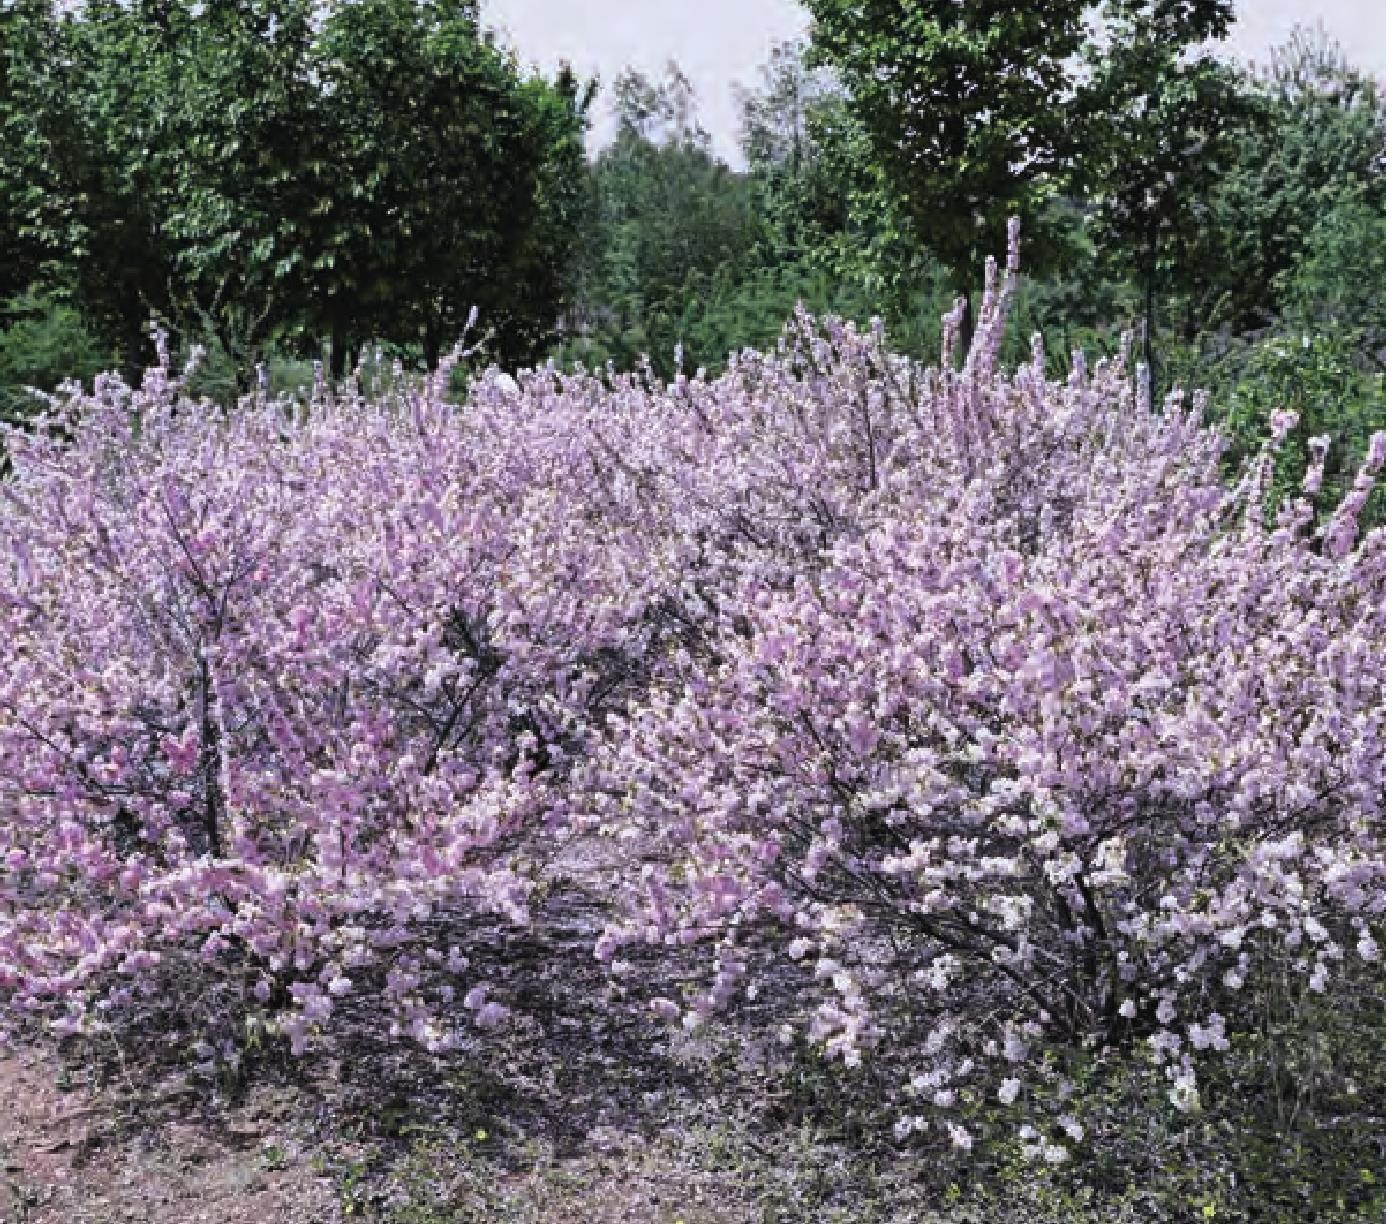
280	181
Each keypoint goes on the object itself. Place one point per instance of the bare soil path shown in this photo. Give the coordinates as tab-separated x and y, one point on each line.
69	1156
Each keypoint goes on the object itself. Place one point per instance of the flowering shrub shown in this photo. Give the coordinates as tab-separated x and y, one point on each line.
1049	740
978	696
280	692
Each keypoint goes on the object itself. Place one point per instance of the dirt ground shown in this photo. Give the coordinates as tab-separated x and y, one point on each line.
68	1156
127	1153
578	1112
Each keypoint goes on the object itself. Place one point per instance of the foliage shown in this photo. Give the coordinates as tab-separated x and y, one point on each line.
962	105
21	250
666	219
60	180
1313	163
257	168
458	178
978	696
994	743
1155	233
1334	284
794	133
777	118
43	343
1164	125
1319	374
279	739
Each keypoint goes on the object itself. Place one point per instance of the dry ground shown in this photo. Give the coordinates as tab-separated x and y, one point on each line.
582	1110
78	1155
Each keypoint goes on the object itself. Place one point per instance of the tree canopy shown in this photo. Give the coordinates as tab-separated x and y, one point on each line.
963	103
262	167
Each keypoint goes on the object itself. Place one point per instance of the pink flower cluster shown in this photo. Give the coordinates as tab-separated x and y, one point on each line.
286	690
1017	724
976	694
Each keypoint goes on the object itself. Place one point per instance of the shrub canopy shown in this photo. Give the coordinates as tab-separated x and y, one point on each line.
977	696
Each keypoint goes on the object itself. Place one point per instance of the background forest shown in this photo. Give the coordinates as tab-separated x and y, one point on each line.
280	183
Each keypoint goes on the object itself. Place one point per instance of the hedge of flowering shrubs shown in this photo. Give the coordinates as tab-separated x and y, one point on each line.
976	698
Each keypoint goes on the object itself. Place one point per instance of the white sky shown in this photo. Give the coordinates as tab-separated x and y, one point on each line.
721	43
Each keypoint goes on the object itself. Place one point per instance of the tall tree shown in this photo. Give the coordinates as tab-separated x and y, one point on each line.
238	102
77	180
658	112
777	117
1315	163
446	153
26	29
1164	125
665	218
830	234
964	105
259	166
793	133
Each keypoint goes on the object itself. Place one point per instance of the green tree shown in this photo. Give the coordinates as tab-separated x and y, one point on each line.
1339	282
77	179
830	234
232	88
805	156
964	107
1315	163
43	343
777	117
249	169
666	218
454	166
1165	125
25	30
1319	375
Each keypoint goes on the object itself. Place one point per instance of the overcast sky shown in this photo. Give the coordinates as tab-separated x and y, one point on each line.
722	43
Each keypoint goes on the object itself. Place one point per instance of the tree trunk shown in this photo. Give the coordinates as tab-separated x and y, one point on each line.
1148	323
338	354
210	761
135	355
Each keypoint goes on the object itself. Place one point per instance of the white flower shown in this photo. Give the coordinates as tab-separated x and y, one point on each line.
907	1126
1008	1091
959	1136
1072	1128
490	1015
1185	1094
